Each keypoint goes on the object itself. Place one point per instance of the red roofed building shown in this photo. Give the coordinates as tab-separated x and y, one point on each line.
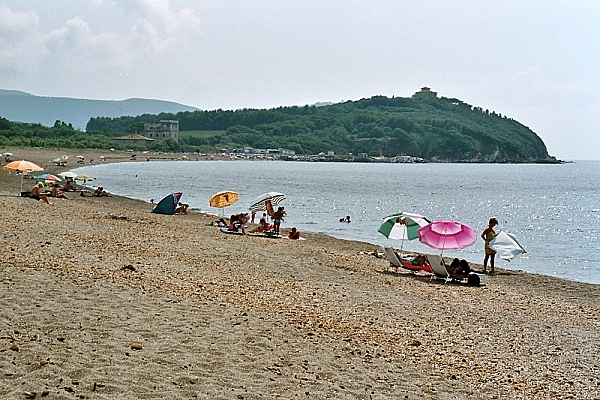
134	140
426	90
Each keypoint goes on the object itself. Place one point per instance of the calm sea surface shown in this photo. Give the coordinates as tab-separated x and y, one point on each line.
554	210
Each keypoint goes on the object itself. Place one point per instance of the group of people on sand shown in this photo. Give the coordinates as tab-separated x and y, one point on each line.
238	222
100	192
38	192
461	267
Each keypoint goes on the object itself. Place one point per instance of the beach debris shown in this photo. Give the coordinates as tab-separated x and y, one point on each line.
30	395
14	347
45	392
374	253
136	346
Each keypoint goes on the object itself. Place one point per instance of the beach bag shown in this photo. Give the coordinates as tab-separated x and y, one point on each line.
473	280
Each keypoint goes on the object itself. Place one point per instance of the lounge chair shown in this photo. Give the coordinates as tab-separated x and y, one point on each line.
399	262
441	270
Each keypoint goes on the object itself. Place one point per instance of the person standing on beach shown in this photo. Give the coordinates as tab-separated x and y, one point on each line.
487	235
277	218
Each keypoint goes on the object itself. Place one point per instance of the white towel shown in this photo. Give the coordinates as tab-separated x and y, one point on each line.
506	245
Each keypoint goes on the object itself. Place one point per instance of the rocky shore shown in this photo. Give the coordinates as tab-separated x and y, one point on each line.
101	299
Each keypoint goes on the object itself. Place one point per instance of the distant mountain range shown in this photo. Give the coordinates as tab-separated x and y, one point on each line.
24	107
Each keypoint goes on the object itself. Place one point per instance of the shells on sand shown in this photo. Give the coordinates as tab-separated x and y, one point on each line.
136	346
14	347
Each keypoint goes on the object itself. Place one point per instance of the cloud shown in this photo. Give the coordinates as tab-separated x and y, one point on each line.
16	24
19	45
99	37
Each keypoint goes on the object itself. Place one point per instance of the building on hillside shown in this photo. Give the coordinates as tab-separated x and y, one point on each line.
165	129
426	90
134	140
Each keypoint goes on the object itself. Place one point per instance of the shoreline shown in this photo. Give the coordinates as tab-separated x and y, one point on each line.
104	299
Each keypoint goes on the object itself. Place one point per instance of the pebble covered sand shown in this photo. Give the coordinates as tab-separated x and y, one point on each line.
101	299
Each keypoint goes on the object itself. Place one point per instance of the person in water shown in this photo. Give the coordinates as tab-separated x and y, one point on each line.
487	235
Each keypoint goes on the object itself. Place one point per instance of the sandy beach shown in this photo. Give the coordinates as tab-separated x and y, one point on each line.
101	299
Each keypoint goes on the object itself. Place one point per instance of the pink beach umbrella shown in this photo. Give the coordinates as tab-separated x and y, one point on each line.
447	235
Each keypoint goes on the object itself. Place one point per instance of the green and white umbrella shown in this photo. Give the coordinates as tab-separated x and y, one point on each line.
402	226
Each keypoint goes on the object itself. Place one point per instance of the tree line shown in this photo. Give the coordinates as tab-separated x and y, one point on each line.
426	126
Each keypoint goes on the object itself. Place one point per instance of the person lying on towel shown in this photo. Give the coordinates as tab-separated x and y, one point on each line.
294	234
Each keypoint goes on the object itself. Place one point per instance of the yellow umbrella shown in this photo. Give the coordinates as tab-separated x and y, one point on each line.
23	166
223	199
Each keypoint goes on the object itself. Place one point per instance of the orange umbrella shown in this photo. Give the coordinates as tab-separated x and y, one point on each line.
223	199
23	166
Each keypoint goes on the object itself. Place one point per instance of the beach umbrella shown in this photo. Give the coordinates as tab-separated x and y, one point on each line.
48	178
23	166
260	203
68	174
402	226
506	245
447	235
84	177
8	154
223	199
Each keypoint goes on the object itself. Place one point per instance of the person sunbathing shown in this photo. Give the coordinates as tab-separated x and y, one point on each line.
37	194
294	234
56	192
68	187
263	226
99	192
459	267
182	208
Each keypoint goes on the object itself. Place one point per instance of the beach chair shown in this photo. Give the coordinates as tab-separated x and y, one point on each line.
440	269
399	262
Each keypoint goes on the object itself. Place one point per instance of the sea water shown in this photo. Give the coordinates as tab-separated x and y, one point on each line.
553	210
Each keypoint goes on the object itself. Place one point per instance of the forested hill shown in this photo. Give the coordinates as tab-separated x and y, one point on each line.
427	126
24	107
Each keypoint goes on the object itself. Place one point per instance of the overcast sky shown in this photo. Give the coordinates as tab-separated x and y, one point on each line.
535	61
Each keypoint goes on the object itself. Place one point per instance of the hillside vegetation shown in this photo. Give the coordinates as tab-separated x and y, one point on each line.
436	129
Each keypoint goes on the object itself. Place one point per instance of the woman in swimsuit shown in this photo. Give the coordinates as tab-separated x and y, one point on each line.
487	235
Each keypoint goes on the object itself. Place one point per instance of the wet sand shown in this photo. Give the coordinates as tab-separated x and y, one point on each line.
99	298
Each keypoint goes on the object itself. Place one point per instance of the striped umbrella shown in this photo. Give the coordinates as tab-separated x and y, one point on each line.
48	178
260	203
402	226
